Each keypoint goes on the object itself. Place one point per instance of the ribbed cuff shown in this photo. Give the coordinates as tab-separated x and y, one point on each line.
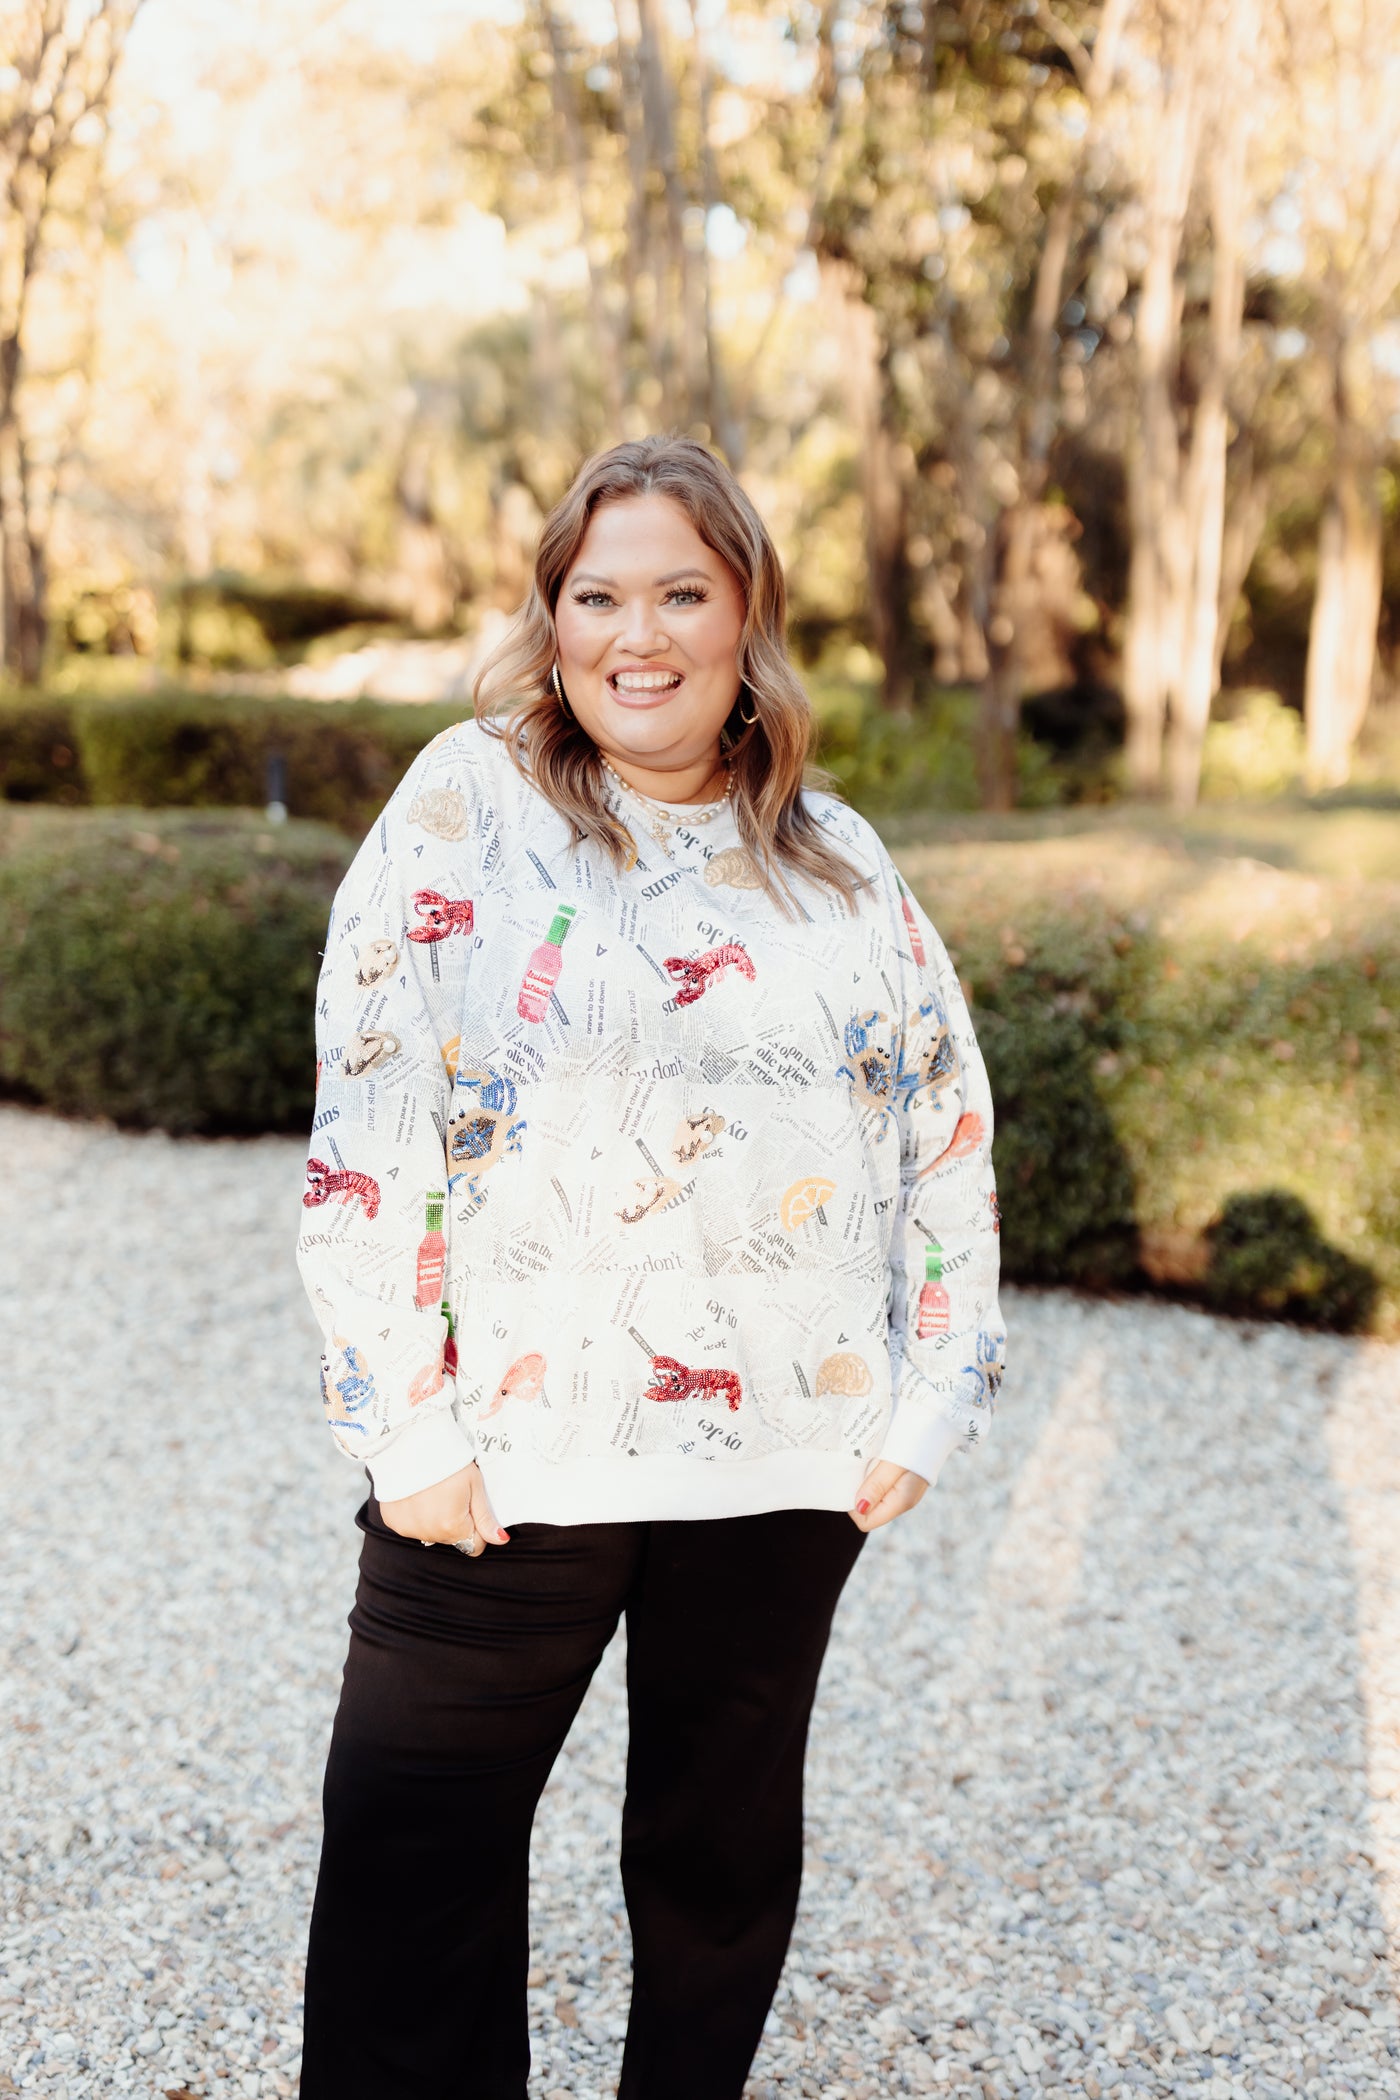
920	1441
429	1448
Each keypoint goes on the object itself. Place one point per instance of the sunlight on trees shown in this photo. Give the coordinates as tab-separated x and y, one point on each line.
1059	341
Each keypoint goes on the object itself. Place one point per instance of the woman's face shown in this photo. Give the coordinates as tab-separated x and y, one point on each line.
648	620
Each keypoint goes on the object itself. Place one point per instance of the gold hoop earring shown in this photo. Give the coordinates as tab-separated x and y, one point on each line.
554	674
748	720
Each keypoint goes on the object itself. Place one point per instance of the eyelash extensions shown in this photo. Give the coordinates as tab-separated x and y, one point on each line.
680	590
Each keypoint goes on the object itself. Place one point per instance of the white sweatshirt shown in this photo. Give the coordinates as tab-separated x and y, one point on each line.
652	1200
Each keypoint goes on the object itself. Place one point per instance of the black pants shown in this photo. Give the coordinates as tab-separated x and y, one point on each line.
461	1682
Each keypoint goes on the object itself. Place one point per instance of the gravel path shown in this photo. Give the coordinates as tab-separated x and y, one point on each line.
1105	1776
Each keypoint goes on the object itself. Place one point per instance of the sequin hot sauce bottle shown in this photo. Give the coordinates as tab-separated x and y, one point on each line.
542	970
432	1253
932	1316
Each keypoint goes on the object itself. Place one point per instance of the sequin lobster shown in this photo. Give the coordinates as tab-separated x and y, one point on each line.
441	916
887	1080
694	972
671	1380
339	1181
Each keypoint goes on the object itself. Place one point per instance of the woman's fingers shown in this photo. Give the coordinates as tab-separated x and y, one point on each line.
483	1517
436	1514
886	1492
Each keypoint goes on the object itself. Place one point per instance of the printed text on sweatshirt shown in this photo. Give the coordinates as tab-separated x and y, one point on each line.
655	1201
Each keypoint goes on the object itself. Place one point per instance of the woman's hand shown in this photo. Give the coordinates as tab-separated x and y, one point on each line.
449	1510
886	1491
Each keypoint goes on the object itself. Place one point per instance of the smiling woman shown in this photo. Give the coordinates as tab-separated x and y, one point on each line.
652	646
684	1090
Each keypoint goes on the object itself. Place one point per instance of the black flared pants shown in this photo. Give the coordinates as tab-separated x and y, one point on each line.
461	1682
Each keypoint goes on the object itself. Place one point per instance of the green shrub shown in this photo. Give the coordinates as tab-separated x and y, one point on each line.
161	970
1267	1256
1195	1060
342	759
172	749
1255	752
887	763
1237	1027
40	755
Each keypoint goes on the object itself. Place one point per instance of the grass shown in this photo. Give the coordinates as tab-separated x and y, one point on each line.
1350	843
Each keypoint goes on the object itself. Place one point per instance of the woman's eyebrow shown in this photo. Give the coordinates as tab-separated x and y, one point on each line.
588	576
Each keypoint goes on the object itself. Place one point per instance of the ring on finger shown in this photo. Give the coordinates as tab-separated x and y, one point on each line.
467	1545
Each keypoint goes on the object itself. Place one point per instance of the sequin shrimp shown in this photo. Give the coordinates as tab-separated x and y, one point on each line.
344	1182
693	973
441	916
671	1380
523	1381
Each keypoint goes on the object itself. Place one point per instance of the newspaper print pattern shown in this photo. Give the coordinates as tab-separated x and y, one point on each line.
690	1199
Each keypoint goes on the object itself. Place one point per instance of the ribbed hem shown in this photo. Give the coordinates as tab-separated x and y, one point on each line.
641	1490
429	1448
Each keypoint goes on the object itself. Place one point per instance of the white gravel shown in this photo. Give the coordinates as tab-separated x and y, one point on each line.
1104	1790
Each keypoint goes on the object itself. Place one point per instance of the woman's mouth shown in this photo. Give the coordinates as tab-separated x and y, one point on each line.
643	688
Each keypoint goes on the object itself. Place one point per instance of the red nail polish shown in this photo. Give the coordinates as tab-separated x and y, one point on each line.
862	1508
505	1538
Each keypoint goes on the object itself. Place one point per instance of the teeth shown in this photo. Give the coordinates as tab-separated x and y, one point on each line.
644	681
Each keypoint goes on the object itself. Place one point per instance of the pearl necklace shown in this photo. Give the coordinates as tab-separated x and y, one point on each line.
658	816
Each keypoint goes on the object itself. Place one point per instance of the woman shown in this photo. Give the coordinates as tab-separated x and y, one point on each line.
651	1226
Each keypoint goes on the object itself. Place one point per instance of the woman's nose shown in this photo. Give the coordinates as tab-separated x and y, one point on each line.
642	630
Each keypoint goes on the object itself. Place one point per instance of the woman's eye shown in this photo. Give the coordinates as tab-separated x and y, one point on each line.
688	591
591	598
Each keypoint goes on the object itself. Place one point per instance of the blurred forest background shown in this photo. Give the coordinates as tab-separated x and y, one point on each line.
1057	340
1060	345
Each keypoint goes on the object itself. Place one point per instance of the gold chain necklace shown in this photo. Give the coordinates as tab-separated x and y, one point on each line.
658	816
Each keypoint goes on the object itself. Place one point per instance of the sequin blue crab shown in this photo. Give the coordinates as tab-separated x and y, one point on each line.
480	1135
887	1082
980	1381
354	1390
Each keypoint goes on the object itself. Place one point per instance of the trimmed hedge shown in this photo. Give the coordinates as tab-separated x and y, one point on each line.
1196	1065
180	750
1195	1061
161	969
40	755
342	759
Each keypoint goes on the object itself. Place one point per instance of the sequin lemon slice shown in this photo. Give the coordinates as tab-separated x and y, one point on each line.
802	1199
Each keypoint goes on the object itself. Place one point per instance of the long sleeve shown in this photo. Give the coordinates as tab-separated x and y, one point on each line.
373	1241
947	1340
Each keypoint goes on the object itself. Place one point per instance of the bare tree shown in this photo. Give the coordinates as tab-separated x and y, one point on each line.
1199	97
59	62
1343	108
1013	591
607	344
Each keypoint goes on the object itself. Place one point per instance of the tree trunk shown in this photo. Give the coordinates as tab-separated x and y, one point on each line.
1245	518
607	349
1015	583
22	567
1345	614
883	491
1193	687
1159	564
886	540
725	428
1003	688
676	295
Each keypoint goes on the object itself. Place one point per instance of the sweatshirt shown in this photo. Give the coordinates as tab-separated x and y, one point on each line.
654	1201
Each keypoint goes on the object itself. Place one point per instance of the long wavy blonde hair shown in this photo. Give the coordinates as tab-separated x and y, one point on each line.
768	756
